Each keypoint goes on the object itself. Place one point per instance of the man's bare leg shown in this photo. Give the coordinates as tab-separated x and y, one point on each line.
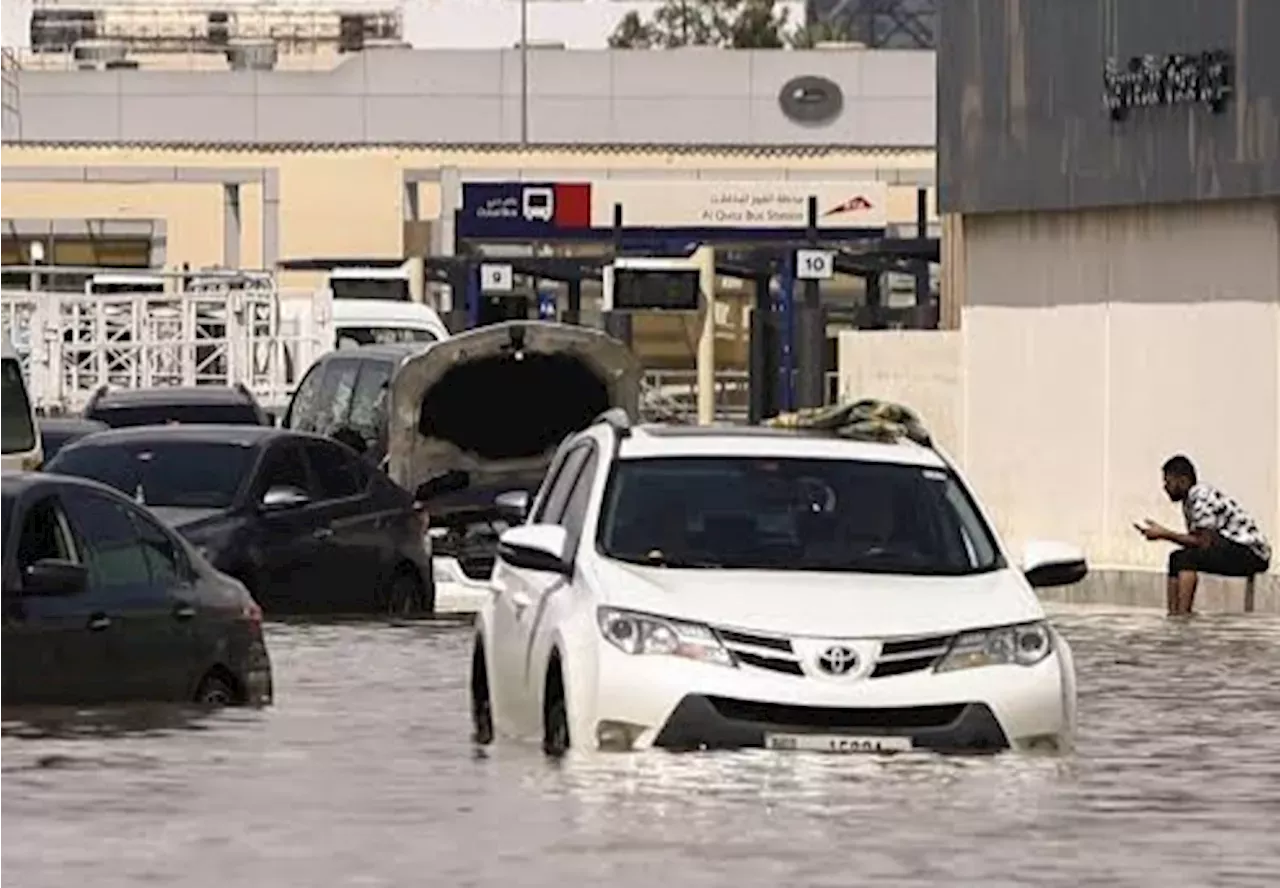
1187	580
1171	595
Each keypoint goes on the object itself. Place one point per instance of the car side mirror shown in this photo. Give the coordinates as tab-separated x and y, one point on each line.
542	547
1047	564
449	482
282	497
513	505
54	576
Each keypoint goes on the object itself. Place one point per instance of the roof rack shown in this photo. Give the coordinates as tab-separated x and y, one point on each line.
868	419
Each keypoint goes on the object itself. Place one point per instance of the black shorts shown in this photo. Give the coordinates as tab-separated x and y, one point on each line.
1222	558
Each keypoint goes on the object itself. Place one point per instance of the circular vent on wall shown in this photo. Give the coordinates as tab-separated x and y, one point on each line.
811	100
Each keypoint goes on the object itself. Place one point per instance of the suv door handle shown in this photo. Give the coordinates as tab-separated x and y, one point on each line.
183	611
322	533
98	622
520	600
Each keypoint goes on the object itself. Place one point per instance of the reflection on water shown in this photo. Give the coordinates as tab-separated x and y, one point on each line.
362	775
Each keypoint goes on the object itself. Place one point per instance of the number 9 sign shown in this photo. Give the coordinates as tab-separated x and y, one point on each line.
496	277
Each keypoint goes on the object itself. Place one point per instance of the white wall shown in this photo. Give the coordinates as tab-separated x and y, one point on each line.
1099	343
920	368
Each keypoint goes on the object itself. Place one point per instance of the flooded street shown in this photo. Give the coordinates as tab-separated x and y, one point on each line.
362	775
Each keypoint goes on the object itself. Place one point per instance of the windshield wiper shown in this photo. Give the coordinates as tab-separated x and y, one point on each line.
656	558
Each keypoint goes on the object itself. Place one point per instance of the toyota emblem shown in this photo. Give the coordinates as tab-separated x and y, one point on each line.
838	660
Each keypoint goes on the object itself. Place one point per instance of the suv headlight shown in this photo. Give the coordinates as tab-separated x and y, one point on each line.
636	633
1025	644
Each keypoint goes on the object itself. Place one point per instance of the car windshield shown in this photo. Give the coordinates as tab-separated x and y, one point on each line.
794	514
190	474
162	414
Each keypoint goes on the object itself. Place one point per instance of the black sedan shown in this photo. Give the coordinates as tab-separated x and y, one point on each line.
301	520
102	603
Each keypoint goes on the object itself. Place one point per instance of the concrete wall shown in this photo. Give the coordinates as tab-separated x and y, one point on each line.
916	367
354	202
454	97
1022	123
1100	343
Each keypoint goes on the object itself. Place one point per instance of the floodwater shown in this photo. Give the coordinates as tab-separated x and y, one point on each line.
362	775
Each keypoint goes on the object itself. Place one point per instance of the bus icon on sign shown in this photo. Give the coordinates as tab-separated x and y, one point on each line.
538	204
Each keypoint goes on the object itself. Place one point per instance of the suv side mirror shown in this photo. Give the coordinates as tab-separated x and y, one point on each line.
282	497
513	505
1047	564
54	576
541	547
449	482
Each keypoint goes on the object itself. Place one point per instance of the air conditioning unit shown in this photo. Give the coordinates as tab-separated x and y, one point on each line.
252	55
93	55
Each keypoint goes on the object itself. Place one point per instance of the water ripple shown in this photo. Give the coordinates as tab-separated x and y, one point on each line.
362	775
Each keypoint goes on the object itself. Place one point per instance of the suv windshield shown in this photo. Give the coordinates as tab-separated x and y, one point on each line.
383	335
161	414
190	474
794	514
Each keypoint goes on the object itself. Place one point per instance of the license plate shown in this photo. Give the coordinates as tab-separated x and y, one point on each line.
839	743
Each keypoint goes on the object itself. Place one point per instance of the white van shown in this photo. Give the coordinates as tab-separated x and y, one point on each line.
384	322
18	430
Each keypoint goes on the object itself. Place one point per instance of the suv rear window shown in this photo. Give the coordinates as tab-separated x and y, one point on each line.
161	414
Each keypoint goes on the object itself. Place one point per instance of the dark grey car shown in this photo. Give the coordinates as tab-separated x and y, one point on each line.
103	603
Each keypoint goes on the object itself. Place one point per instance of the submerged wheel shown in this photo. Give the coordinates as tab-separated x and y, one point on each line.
481	705
555	716
404	595
215	690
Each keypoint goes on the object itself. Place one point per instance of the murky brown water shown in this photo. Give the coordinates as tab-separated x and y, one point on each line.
362	775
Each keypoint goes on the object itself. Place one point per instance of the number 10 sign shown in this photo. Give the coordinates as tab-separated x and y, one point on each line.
815	265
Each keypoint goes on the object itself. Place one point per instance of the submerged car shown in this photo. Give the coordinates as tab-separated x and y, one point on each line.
301	520
689	588
103	604
223	404
489	407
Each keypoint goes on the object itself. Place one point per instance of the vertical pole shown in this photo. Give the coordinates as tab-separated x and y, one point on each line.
922	234
786	313
524	73
811	341
573	313
474	294
706	259
618	323
760	378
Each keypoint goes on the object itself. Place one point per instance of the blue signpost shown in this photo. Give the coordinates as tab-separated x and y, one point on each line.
474	297
785	306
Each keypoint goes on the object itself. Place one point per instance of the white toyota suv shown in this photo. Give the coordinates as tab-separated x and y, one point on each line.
717	587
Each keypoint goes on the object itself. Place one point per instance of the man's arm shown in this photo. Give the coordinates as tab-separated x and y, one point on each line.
1196	539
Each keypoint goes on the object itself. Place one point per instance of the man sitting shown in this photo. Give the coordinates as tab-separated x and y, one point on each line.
1221	538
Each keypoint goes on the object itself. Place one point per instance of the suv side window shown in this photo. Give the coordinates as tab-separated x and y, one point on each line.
575	510
302	410
553	508
168	563
336	473
115	556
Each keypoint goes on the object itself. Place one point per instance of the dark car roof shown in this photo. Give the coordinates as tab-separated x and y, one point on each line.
175	394
70	424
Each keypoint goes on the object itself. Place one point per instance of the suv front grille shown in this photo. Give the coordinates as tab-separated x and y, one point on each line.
776	653
901	656
821	717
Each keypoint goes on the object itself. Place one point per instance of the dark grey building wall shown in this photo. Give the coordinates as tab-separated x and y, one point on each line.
675	97
1022	122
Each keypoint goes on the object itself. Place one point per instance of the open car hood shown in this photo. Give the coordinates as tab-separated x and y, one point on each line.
497	401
